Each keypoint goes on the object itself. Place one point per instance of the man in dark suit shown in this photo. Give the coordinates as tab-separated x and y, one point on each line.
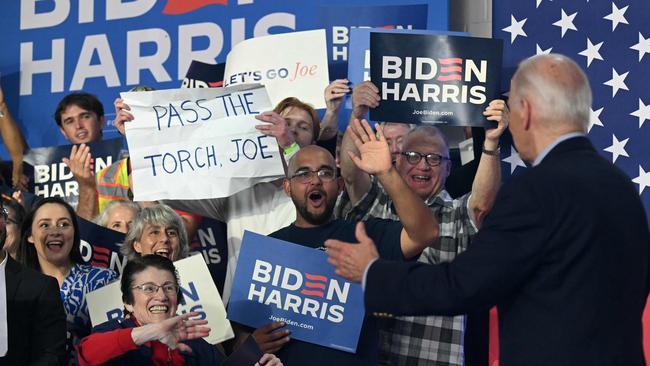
564	254
35	320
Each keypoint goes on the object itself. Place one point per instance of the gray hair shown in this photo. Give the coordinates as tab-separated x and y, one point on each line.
557	86
158	214
428	131
102	218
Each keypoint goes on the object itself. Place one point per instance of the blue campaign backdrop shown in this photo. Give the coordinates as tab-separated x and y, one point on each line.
51	48
280	281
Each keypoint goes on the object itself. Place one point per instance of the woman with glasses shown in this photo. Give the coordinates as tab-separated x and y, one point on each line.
152	333
50	244
14	213
156	230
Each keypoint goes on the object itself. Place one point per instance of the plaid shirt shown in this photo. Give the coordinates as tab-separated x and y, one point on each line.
420	340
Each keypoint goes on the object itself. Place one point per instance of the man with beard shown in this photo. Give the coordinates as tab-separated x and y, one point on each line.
32	321
313	187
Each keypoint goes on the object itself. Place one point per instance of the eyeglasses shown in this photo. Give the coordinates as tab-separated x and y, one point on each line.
306	175
151	288
432	159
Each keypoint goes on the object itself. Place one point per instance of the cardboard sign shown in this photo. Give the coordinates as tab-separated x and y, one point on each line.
100	246
289	65
199	293
434	79
199	143
339	20
52	178
280	281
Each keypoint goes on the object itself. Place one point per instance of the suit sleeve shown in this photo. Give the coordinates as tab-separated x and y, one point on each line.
48	327
502	255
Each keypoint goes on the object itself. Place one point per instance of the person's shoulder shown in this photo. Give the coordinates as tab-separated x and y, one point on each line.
35	278
113	324
97	274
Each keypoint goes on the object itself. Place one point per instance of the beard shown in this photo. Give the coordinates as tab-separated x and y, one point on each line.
316	219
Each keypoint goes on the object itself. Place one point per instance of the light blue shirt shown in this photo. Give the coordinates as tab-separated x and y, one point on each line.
557	141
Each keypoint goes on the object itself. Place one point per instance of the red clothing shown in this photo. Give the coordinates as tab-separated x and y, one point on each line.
99	348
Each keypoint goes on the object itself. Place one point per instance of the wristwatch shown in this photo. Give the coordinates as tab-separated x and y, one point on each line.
492	152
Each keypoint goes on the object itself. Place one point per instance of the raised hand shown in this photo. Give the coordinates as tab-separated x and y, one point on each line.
122	114
497	111
364	96
374	154
80	165
277	127
335	92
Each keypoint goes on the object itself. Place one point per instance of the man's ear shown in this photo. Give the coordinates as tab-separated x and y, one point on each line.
286	184
340	184
102	122
526	114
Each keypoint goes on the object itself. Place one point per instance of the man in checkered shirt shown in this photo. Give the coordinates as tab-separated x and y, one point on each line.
424	165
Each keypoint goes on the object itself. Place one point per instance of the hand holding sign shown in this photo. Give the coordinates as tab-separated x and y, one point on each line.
374	155
349	259
496	111
335	92
364	97
121	115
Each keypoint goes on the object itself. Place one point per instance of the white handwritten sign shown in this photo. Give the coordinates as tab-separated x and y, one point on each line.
199	143
288	64
199	295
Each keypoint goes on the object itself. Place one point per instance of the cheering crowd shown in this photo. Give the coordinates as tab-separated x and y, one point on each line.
374	198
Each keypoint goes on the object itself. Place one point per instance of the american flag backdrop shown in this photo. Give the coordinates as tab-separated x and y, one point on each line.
611	41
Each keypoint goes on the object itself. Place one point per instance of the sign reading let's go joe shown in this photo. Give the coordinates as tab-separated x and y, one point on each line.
281	281
199	143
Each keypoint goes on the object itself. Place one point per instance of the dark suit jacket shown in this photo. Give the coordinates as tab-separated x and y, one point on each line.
564	254
35	318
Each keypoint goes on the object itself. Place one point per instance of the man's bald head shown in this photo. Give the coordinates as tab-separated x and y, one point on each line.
558	88
310	152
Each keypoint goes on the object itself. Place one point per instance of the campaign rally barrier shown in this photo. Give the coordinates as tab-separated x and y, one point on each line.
52	178
199	295
289	65
434	79
100	246
340	20
199	143
280	281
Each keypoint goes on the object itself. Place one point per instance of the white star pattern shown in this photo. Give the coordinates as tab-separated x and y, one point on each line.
643	113
617	82
540	51
566	22
594	118
617	16
516	28
617	148
591	53
643	180
643	46
514	160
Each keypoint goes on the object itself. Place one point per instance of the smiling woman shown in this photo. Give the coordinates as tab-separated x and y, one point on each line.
156	230
50	244
152	333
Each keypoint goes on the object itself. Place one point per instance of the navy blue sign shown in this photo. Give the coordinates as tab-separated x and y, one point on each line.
280	281
210	240
52	178
100	246
434	79
339	20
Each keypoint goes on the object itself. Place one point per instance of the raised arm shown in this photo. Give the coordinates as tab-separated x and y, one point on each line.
14	141
420	226
488	174
334	94
80	165
357	182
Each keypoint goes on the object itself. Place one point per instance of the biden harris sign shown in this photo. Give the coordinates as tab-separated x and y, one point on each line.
281	281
